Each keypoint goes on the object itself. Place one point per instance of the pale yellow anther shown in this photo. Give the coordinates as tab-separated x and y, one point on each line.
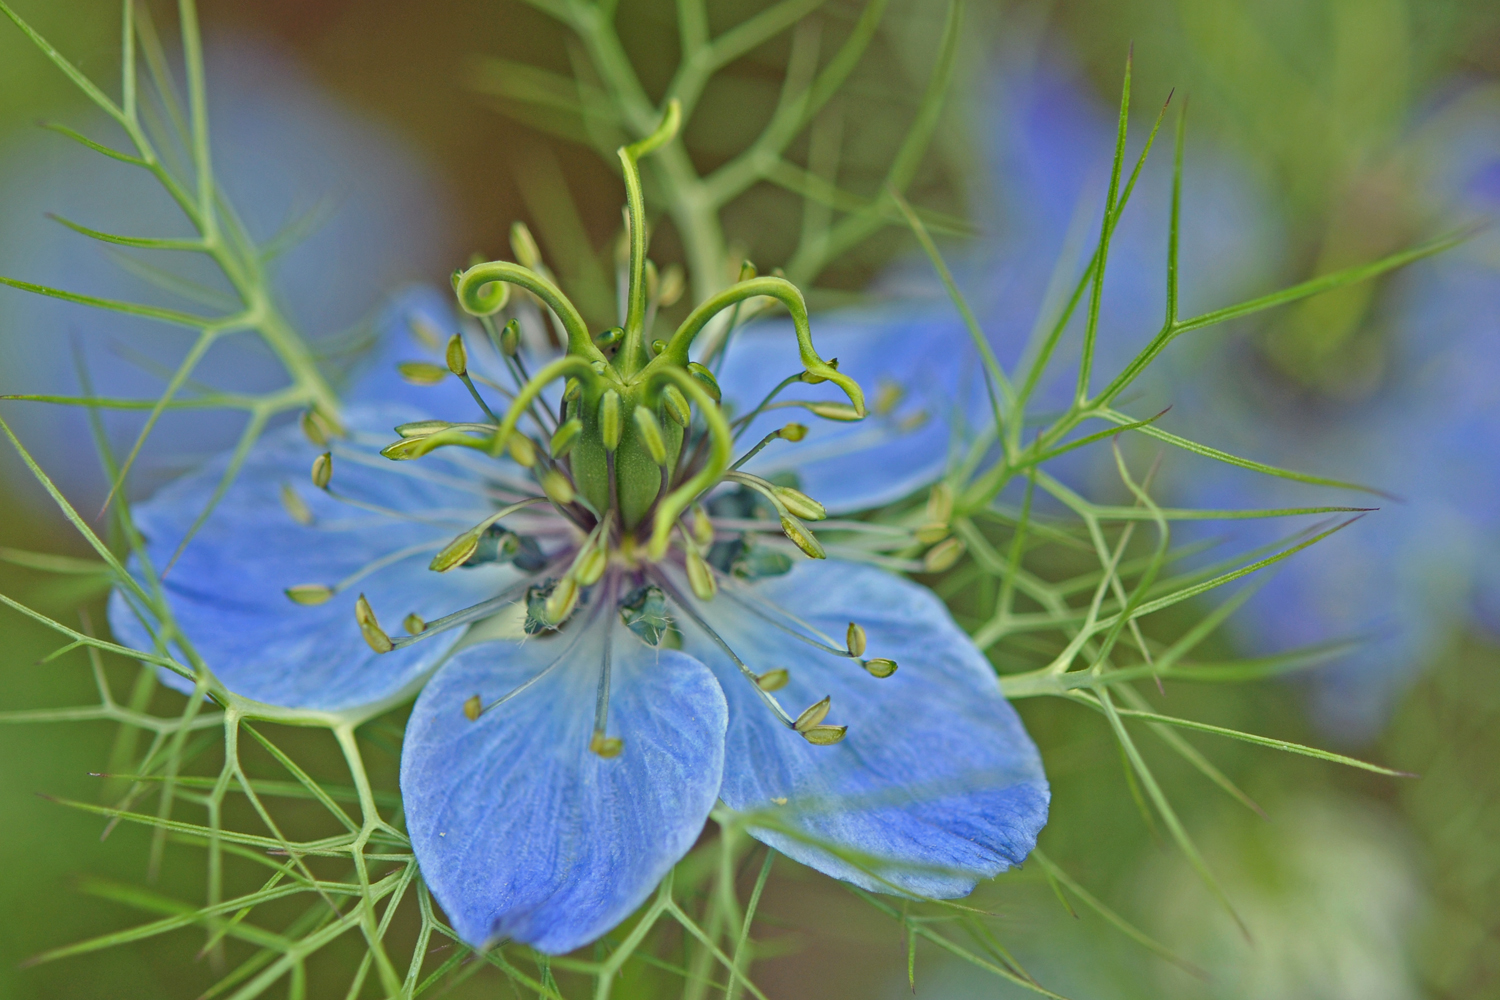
456	552
800	503
590	565
414	624
558	487
676	405
473	707
322	470
523	245
522	450
825	736
773	680
309	593
702	527
794	432
456	356
422	372
943	555
879	666
510	338
610	427
887	398
855	640
940	504
405	449
296	507
606	746
318	427
801	537
424	333
835	411
813	715
562	601
422	428
571	388
565	437
701	578
673	284
649	431
706	377
370	628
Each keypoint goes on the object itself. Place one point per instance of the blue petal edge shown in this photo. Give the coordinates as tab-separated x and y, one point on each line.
936	785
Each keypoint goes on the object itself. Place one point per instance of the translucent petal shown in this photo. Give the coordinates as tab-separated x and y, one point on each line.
936	785
521	830
918	361
227	590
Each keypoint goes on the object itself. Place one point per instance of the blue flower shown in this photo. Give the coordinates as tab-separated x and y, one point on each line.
1410	575
611	627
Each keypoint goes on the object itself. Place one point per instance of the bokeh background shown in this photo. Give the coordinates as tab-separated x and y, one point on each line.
1330	132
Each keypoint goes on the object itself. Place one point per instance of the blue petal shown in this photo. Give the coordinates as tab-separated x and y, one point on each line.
227	589
936	785
521	831
922	353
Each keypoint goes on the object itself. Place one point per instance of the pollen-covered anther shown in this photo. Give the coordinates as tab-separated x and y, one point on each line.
939	513
510	338
414	624
456	552
943	555
421	372
319	427
700	577
845	412
855	640
309	593
887	398
825	736
370	628
649	431
591	564
522	450
794	432
802	538
322	470
565	437
610	426
813	715
562	601
456	356
606	746
473	708
296	507
702	527
800	503
706	377
558	487
879	666
773	680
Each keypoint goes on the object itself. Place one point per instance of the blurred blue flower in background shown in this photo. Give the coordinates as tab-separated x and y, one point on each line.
1407	578
352	209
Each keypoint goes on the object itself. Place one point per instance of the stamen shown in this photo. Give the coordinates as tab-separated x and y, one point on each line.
474	707
461	617
773	680
599	743
421	372
856	640
791	432
296	507
750	675
322	470
458	364
744	422
414	624
370	628
943	555
458	551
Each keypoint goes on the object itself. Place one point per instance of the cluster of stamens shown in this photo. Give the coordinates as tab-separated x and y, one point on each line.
629	468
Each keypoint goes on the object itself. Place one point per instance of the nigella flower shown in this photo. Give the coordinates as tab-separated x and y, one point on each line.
613	625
